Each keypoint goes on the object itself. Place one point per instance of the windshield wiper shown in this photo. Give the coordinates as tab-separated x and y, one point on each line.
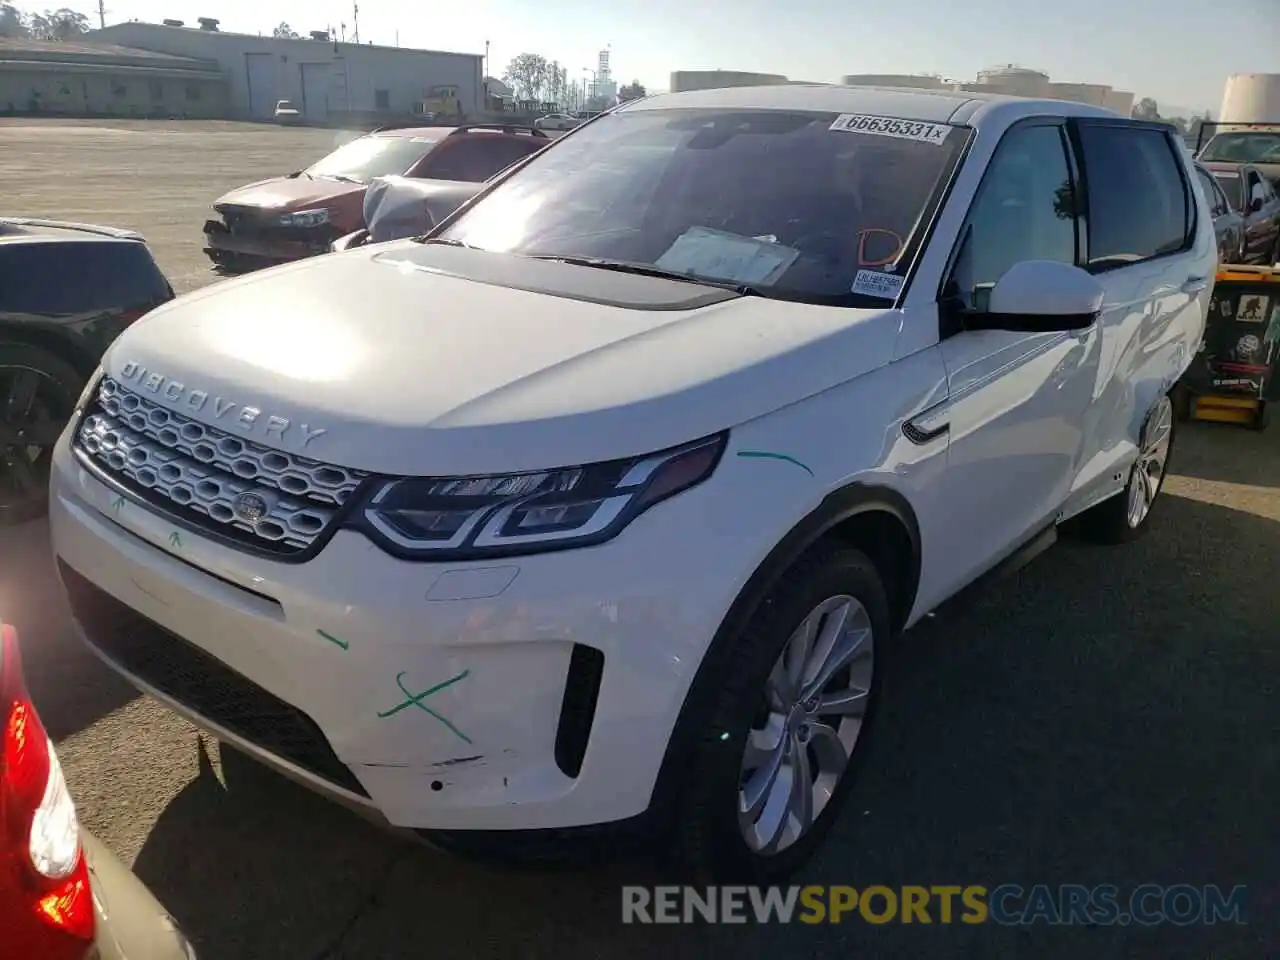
442	241
649	270
340	176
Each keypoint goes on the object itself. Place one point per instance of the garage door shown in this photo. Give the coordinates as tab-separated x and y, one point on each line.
315	91
261	71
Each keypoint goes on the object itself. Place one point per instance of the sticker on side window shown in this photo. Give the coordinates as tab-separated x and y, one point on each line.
934	133
876	283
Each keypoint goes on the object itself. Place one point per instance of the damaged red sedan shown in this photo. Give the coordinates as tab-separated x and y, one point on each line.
300	215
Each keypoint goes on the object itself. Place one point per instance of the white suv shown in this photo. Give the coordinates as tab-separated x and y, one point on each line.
603	505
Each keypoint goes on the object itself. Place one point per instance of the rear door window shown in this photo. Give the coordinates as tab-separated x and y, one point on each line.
1212	193
78	278
1139	202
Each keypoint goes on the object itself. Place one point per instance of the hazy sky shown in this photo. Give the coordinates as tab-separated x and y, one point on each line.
1155	48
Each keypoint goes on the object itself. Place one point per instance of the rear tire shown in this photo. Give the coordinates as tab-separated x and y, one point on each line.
726	814
1261	418
38	393
1125	517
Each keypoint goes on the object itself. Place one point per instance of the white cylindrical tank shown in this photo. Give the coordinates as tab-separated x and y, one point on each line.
1091	93
682	80
1015	80
1121	101
1251	98
913	80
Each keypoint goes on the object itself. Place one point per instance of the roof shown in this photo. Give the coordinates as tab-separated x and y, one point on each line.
930	106
132	27
81	48
28	229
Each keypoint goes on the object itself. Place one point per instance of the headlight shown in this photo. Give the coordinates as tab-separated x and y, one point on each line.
304	218
473	517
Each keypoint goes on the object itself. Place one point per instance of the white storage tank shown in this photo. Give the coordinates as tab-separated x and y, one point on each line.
1015	80
1121	101
912	80
1251	98
682	80
1091	93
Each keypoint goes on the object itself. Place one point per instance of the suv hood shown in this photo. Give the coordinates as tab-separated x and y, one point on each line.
289	192
387	359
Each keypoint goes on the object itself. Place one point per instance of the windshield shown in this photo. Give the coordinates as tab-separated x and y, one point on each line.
1262	147
796	204
1230	184
371	157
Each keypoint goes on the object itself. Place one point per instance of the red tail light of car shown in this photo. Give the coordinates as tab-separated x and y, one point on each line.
46	904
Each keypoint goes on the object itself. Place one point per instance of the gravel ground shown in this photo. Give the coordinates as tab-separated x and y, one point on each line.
1102	717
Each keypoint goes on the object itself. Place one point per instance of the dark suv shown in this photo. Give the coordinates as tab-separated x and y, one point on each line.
66	291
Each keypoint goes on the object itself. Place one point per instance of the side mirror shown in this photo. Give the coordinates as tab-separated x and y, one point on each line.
350	241
1040	296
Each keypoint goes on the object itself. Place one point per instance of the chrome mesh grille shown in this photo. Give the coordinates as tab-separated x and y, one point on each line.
198	471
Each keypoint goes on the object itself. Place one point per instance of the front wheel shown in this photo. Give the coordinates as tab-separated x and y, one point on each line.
776	760
1124	517
38	392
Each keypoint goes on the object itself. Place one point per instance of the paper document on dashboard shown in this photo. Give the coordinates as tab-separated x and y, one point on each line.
704	252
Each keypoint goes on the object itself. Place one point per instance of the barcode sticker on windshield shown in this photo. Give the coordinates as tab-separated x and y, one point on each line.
934	133
875	283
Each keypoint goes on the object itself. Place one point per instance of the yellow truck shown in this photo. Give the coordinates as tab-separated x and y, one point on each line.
440	103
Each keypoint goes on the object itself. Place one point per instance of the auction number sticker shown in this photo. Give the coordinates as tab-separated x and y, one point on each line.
875	283
934	133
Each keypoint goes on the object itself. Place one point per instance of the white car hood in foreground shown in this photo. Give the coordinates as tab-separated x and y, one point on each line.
369	360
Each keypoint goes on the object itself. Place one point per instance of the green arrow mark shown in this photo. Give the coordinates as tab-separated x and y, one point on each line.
175	540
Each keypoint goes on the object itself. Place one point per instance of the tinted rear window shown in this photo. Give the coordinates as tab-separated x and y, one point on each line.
1139	203
78	277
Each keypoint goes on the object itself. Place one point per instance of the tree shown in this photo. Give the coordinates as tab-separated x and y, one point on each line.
527	75
284	32
632	91
13	23
60	24
1146	109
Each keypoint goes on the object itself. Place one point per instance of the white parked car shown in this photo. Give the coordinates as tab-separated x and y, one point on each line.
287	113
556	121
603	506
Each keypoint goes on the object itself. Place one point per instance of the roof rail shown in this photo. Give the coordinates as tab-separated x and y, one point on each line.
503	127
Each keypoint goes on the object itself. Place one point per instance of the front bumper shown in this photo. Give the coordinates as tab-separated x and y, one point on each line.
131	923
265	244
558	679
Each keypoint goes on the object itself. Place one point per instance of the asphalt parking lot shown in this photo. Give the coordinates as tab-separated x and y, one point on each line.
1104	717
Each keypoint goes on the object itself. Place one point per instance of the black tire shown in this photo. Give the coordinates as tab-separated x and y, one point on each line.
1108	522
710	846
1261	417
1182	403
24	472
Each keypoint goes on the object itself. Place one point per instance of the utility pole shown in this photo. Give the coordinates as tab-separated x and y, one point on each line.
355	20
102	14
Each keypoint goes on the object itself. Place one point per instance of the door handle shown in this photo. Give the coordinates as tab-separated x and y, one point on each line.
1195	284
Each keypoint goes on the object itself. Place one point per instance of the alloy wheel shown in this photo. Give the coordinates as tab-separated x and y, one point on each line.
30	423
814	704
1153	458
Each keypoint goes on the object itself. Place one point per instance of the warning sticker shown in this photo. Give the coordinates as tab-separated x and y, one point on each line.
876	283
1253	308
934	133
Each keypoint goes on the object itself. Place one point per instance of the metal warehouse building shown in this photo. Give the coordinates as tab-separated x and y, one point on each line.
66	77
321	77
